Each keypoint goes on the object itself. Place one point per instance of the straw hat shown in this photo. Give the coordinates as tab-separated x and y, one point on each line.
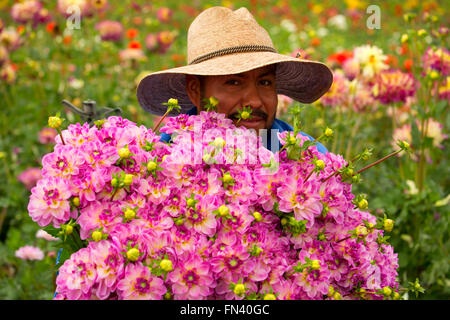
222	41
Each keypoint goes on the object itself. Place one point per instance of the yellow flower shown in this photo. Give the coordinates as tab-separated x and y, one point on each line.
257	216
166	265
97	235
239	289
54	122
269	296
223	210
133	254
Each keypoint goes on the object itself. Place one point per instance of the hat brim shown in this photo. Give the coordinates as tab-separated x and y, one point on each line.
302	80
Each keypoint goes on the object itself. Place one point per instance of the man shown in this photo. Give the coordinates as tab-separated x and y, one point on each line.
232	58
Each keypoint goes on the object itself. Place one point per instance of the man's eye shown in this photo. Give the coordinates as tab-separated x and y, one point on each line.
233	82
266	82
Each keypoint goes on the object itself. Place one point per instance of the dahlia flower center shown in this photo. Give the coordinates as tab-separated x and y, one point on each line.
61	163
301	197
233	262
190	277
52	194
142	285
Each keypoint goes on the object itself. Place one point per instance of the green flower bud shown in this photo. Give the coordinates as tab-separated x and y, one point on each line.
151	166
114	182
97	236
337	296
166	265
434	75
172	102
124	153
76	201
227	178
388	225
330	290
422	32
68	229
54	122
269	296
363	204
404	38
387	291
129	214
190	202
257	216
213	101
320	164
128	180
223	210
361	231
328	132
239	289
315	264
245	115
133	254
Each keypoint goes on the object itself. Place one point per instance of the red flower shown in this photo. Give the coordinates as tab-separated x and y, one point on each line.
50	26
134	45
340	57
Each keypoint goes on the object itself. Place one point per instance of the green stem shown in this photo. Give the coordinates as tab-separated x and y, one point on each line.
160	121
338	120
60	134
354	131
380	160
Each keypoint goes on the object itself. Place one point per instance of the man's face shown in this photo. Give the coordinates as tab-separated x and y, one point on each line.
254	88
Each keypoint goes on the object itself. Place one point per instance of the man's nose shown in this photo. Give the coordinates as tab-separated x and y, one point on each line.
252	97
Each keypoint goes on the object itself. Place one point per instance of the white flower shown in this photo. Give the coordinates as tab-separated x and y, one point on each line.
288	25
338	21
371	60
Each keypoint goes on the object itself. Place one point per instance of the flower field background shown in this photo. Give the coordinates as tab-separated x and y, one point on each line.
391	82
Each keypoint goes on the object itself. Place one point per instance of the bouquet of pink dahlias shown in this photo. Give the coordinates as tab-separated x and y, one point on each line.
210	215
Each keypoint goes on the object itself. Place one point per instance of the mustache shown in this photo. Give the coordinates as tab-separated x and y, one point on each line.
255	113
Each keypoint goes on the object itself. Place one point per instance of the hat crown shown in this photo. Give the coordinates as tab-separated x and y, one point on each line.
220	28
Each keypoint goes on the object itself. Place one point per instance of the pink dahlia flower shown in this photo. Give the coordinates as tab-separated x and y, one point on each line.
140	284
394	86
29	253
110	30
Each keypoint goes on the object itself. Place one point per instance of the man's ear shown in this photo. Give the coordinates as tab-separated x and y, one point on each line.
193	89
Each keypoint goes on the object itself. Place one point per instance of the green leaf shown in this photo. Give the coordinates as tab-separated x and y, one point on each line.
52	231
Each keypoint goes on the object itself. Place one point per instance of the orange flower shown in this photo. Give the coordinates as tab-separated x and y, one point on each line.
132	33
134	45
67	39
178	57
20	29
391	60
407	64
404	49
315	42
